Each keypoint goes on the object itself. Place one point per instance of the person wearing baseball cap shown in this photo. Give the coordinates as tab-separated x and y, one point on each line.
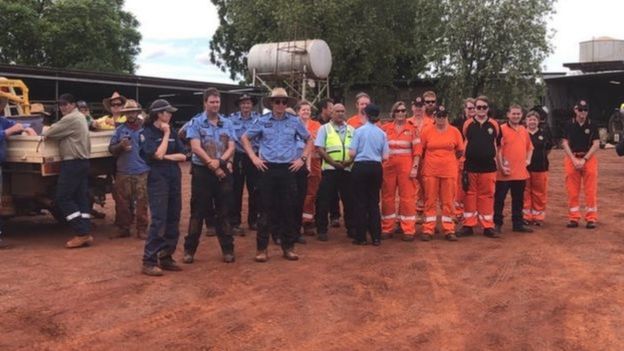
580	143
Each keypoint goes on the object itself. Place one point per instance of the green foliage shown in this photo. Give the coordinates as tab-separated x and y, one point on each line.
468	47
82	34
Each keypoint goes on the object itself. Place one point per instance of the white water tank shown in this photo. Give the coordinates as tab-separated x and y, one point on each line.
601	49
281	60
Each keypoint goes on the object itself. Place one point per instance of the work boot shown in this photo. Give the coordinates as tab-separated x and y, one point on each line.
426	237
262	256
590	225
153	271
237	230
335	223
308	229
229	257
466	231
79	241
168	264
572	224
97	214
376	242
290	255
120	233
498	228
141	234
322	236
359	242
490	233
188	258
408	237
450	237
522	229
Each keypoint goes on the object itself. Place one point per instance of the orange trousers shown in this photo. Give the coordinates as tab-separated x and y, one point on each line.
588	177
442	189
535	196
459	191
419	198
314	180
479	200
396	172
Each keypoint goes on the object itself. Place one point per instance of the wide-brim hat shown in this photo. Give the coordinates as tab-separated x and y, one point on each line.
278	93
132	106
116	96
38	108
162	105
244	97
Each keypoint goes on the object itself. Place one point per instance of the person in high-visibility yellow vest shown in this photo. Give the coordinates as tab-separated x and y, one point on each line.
332	143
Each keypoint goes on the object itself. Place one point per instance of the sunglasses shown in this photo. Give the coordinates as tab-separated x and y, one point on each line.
429	102
401	110
582	109
280	101
482	107
116	105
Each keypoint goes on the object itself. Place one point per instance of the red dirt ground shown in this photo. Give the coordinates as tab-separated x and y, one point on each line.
556	289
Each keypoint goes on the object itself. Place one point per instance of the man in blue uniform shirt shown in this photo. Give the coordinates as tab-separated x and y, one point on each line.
244	172
277	134
213	142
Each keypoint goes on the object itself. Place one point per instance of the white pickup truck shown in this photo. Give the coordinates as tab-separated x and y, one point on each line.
30	171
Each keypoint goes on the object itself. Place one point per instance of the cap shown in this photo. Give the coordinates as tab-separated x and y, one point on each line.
581	103
162	105
372	110
81	104
66	98
246	97
441	112
418	101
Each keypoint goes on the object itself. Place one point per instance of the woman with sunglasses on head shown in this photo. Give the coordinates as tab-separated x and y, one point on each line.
440	147
399	172
162	150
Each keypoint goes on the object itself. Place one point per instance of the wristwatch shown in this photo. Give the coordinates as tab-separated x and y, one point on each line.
304	159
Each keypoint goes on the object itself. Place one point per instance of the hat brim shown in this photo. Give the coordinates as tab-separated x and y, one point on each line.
135	109
106	102
267	102
170	109
250	98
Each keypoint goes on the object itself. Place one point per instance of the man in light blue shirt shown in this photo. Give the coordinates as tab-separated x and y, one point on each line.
212	140
368	148
278	160
244	171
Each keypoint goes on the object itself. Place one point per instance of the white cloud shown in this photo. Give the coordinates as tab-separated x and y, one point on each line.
203	58
152	51
179	19
190	72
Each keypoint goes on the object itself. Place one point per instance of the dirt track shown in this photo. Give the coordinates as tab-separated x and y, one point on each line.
557	289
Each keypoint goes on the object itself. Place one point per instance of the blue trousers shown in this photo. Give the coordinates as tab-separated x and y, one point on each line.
164	192
72	195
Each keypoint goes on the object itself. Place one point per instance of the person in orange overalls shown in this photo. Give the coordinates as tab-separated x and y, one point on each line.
536	185
580	142
398	172
361	101
480	133
514	155
469	113
304	110
441	146
421	122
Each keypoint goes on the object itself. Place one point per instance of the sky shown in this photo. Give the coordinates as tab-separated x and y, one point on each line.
176	37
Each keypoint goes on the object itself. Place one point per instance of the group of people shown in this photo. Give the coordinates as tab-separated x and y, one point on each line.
298	170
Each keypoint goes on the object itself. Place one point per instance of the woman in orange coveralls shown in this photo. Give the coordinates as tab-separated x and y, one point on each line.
398	172
440	147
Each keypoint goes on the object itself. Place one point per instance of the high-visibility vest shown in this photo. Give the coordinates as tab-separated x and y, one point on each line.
334	146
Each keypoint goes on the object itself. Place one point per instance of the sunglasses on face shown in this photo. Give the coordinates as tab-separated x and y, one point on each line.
582	109
429	102
280	101
482	107
401	110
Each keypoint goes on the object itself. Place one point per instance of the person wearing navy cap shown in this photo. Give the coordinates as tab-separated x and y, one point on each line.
245	173
278	160
368	148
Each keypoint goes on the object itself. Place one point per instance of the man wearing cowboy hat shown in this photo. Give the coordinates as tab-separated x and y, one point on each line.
131	177
278	160
114	105
244	171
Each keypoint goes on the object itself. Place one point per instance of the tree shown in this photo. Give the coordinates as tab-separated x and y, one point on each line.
371	41
83	34
492	47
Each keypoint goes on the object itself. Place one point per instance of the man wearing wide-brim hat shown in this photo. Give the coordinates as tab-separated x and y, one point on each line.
277	133
244	171
113	104
131	178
